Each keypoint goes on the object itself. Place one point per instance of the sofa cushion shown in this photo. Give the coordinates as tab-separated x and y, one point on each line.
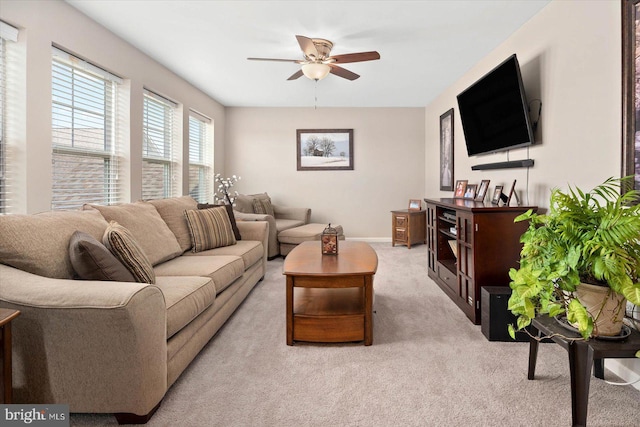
93	261
172	212
147	227
39	243
223	269
185	297
124	246
251	251
232	217
210	228
305	233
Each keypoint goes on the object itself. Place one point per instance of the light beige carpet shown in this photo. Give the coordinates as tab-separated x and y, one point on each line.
428	366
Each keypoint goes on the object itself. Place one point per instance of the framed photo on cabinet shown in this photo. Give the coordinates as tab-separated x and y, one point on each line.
461	188
497	194
482	190
470	191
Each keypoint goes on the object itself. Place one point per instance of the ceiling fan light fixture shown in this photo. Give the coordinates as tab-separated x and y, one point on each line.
316	71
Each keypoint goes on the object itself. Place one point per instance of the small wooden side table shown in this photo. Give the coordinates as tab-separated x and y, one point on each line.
408	227
6	316
582	356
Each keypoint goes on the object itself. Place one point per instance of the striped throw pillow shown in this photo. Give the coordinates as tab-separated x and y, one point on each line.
122	244
209	228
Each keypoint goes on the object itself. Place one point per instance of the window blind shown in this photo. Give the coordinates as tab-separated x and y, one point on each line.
7	34
85	147
159	151
200	158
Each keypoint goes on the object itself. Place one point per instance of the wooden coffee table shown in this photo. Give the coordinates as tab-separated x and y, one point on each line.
330	297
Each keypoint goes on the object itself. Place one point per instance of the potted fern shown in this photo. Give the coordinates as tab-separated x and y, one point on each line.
587	241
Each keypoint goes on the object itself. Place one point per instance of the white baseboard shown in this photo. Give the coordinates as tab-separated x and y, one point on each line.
627	369
370	239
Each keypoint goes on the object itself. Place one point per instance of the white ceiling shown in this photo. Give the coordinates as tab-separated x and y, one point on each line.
424	46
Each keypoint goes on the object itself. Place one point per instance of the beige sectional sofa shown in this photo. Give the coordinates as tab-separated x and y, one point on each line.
116	347
283	218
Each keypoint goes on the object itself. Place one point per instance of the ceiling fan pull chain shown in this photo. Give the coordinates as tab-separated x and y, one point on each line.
315	95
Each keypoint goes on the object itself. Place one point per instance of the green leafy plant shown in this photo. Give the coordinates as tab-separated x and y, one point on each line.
590	237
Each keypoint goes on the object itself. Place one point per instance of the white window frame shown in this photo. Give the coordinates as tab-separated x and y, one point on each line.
159	145
200	157
77	140
8	34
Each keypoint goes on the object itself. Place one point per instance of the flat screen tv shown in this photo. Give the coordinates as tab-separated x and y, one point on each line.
494	111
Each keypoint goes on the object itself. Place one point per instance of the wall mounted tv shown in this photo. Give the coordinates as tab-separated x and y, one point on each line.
494	111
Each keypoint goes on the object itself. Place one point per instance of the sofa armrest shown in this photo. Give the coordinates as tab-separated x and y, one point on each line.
272	247
299	214
97	346
256	230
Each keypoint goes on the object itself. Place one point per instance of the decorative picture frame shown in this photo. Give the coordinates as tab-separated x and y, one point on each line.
482	190
446	151
630	74
470	191
415	205
461	187
497	194
324	149
511	192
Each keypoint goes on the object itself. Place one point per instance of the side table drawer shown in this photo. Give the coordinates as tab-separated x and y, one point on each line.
402	221
401	234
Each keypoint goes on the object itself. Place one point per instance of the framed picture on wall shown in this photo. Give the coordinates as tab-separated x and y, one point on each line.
446	151
324	149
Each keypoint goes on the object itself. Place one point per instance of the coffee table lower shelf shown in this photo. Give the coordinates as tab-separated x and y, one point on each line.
328	315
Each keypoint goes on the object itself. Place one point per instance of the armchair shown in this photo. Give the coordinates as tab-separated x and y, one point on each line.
279	219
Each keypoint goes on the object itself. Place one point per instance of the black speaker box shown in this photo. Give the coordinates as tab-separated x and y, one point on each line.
495	317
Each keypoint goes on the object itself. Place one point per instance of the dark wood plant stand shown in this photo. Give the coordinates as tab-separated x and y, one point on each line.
6	391
582	356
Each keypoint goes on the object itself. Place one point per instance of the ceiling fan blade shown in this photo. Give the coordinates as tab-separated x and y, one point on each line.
275	59
341	72
295	75
307	46
355	57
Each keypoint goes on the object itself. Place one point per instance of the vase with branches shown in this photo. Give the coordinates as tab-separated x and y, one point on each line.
223	189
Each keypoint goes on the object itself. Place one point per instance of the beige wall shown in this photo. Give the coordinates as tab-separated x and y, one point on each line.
570	55
43	23
389	163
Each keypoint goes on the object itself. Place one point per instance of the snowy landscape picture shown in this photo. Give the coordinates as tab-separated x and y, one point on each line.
325	149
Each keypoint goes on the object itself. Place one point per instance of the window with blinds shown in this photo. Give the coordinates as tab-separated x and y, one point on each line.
200	158
159	151
85	147
7	34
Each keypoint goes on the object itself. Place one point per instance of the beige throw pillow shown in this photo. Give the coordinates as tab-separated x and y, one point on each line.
123	245
210	228
147	226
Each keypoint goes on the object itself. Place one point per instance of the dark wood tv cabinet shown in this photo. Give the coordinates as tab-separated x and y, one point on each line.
486	242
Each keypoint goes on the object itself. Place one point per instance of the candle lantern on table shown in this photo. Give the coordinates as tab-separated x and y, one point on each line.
330	241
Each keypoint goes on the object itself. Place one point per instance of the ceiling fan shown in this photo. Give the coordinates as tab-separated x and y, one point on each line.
318	63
